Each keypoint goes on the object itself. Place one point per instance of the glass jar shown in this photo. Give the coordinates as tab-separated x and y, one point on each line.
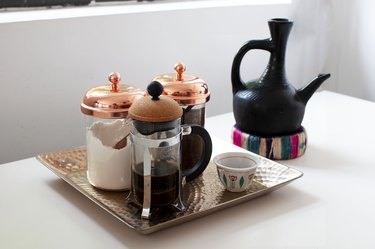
107	133
191	93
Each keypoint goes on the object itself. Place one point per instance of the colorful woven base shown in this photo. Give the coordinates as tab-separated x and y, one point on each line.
278	148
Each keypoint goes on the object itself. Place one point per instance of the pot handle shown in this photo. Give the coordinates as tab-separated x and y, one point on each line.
202	163
237	83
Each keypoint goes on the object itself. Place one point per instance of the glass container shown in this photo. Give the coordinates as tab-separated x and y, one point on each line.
192	94
107	133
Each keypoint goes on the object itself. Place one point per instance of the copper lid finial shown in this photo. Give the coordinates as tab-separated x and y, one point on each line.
115	79
180	69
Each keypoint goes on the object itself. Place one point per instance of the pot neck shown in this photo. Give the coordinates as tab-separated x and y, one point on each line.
275	71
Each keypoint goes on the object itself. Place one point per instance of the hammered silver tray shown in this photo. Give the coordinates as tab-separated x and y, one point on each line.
202	196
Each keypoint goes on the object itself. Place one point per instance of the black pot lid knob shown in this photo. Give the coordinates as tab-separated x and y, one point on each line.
155	89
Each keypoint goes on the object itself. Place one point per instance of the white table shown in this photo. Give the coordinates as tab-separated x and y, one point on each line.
331	206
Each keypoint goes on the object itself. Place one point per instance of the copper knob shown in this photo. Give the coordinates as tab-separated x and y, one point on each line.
115	79
180	69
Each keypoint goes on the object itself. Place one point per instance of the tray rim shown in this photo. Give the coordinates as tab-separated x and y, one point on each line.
177	220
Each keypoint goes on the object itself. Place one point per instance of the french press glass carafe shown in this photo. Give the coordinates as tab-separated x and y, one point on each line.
191	93
156	151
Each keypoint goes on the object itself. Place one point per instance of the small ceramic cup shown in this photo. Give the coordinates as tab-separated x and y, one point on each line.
236	170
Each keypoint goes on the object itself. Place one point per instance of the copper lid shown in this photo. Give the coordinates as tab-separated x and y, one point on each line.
112	100
155	108
185	89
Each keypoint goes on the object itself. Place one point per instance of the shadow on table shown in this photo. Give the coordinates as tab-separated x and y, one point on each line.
193	234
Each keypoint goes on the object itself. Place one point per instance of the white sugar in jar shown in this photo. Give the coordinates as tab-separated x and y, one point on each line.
107	129
108	154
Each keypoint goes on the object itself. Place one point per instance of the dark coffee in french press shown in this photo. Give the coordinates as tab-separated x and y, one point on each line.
164	183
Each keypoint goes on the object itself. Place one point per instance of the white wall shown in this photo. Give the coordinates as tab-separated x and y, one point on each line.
337	36
354	49
46	66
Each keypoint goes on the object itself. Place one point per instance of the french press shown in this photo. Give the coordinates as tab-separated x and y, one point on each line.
107	129
191	93
156	151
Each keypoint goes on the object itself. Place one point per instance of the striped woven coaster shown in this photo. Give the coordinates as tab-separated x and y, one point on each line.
278	148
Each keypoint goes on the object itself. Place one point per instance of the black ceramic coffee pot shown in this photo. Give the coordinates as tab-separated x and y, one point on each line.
270	106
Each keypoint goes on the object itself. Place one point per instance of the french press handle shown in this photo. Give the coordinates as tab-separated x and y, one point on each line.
202	163
265	44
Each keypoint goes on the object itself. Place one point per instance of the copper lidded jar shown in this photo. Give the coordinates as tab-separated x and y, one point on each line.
107	133
192	94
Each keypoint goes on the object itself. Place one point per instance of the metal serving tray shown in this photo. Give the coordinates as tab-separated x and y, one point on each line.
202	196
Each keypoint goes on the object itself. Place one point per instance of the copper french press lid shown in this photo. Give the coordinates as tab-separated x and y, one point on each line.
187	90
112	100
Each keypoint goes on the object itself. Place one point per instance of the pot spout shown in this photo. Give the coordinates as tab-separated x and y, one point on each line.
306	92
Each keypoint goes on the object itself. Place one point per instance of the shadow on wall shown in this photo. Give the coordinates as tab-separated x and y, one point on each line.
310	38
334	38
355	52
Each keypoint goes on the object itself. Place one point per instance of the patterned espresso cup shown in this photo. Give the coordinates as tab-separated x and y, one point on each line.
236	169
